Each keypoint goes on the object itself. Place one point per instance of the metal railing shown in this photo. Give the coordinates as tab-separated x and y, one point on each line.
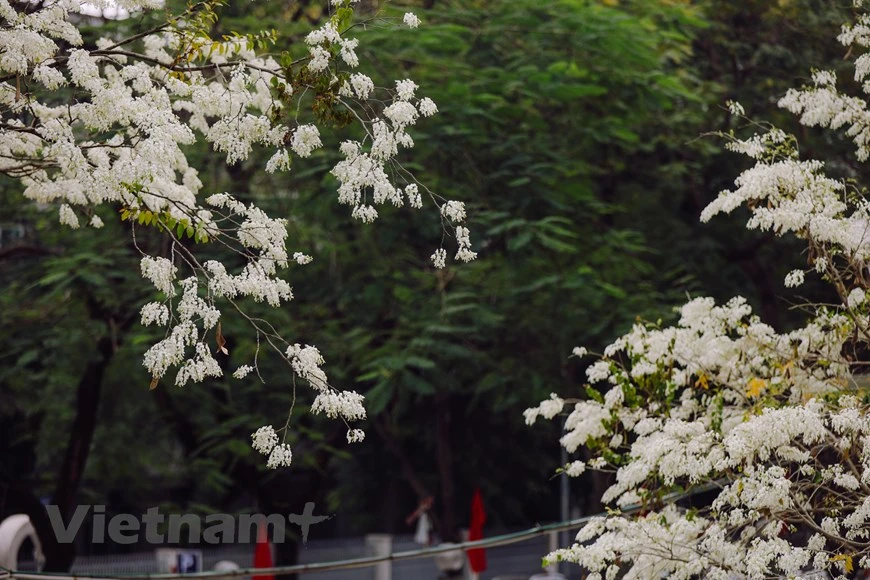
353	563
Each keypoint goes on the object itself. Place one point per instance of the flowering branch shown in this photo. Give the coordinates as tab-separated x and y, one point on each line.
141	102
777	421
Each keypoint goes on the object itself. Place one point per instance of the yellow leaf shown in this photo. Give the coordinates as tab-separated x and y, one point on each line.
755	387
847	562
702	382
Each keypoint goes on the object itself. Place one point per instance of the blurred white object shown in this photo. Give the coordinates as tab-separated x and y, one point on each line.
225	566
451	561
381	545
423	529
13	531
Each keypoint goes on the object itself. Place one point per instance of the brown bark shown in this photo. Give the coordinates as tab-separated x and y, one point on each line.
78	447
444	458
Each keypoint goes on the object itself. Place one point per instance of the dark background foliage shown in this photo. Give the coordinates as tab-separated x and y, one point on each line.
578	133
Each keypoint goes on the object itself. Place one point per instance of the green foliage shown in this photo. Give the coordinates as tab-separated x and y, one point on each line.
550	114
571	126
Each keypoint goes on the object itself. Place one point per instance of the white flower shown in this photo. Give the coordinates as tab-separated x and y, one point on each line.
410	19
824	77
345	404
154	312
413	193
349	148
794	278
301	258
280	161
306	363
264	439
242	371
68	217
598	463
347	51
598	371
401	113
355	435
735	108
856	298
439	258
171	350
305	139
548	409
464	254
552	406
281	456
327	33
771	418
365	213
362	85
454	211
427	107
575	468
50	78
198	368
319	59
579	351
405	89
161	272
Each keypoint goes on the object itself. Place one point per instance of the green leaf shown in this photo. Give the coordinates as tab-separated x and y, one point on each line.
556	244
520	241
593	394
378	397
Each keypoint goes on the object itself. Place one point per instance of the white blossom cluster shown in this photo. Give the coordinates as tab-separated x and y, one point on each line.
280	456
363	174
119	142
192	313
265	441
347	405
306	362
775	420
775	427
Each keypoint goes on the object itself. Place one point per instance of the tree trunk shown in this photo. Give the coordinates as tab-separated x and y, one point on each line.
444	457
76	457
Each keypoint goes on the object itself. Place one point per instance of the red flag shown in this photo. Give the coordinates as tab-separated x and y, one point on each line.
263	554
477	556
